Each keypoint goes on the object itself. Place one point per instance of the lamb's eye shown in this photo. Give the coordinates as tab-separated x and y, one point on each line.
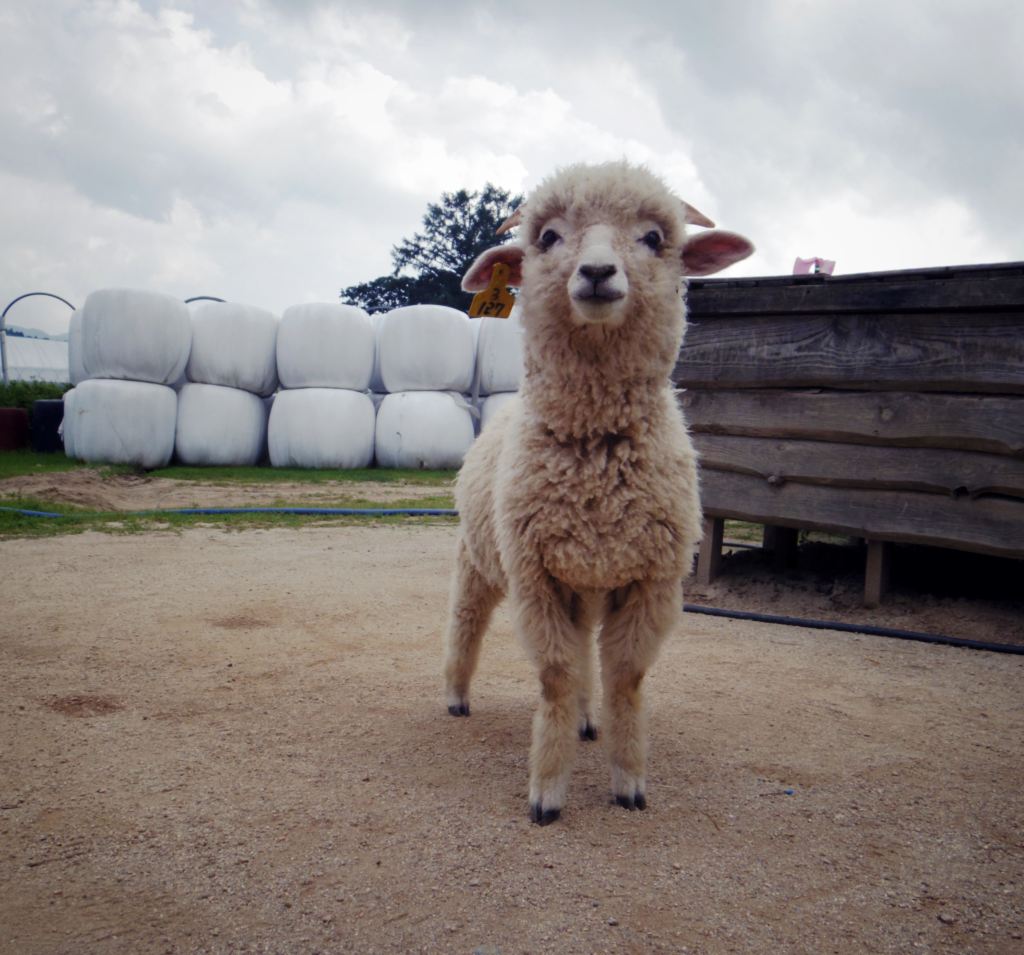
548	238
652	240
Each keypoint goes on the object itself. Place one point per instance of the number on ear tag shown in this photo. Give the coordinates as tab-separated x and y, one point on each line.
496	300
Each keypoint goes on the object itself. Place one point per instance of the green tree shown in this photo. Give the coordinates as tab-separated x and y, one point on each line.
428	268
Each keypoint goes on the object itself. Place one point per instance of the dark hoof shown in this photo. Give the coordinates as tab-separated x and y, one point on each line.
639	801
459	709
588	731
543	817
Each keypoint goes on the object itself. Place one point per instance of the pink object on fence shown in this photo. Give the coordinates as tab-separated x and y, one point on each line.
816	265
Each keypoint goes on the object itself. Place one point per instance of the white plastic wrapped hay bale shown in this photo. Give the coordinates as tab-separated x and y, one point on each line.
67	426
423	429
134	335
324	345
492	404
376	385
499	355
321	428
268	410
220	426
426	348
234	346
121	422
76	365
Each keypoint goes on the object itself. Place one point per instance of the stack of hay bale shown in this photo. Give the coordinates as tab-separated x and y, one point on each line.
126	349
222	411
427	359
323	417
499	364
154	378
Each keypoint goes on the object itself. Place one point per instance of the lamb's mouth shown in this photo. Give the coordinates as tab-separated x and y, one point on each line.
602	308
599	296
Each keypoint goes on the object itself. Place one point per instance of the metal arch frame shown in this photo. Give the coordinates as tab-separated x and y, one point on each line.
14	301
3	325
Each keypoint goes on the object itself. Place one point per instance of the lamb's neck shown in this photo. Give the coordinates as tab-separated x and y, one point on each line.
588	402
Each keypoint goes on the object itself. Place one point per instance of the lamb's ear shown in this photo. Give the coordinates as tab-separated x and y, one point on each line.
479	275
709	252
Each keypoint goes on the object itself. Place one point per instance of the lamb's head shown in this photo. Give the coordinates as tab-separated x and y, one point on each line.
605	246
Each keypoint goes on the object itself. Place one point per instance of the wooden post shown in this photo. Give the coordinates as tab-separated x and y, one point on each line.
781	543
709	560
876	572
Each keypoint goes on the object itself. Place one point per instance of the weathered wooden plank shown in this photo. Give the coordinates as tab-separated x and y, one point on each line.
987	525
970	422
982	352
938	471
991	269
873	292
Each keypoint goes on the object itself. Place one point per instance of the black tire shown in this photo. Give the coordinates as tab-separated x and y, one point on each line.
13	429
47	414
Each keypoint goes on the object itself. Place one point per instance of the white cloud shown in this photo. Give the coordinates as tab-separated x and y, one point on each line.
274	152
862	238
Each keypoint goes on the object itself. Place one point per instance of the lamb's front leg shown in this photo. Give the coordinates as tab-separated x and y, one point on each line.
639	618
549	620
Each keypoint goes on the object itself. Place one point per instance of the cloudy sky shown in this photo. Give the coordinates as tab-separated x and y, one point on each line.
272	152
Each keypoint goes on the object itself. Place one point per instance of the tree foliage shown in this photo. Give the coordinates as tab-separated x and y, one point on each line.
428	267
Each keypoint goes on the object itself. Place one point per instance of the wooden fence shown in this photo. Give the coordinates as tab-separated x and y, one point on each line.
884	405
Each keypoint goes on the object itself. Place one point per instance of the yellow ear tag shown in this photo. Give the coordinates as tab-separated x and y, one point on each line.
496	300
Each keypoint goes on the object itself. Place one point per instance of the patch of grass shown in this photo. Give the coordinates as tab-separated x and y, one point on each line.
19	525
17	463
744	531
433	501
268	475
79	519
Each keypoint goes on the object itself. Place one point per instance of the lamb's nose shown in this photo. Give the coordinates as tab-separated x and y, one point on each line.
597	273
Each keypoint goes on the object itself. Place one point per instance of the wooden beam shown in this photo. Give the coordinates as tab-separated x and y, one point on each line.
893	292
955	473
709	558
942	351
992	424
986	525
876	572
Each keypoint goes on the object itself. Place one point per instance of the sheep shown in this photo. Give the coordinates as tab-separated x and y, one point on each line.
580	500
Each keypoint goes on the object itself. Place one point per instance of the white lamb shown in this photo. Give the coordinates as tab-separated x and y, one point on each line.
580	500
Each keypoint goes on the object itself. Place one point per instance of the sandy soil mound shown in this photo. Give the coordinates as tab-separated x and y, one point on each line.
130	492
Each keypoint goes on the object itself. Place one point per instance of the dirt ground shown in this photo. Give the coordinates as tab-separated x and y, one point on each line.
228	741
935	592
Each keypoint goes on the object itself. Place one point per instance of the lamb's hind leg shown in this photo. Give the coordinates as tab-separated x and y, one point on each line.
473	599
592	607
638	620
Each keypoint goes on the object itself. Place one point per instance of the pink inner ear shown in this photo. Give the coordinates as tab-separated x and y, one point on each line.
479	275
711	252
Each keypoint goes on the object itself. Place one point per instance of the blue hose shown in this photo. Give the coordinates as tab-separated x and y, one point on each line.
865	628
